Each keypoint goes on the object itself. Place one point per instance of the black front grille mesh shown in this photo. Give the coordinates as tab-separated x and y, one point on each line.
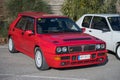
89	47
75	49
82	48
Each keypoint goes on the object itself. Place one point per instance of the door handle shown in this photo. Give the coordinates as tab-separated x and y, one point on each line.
22	33
13	29
90	31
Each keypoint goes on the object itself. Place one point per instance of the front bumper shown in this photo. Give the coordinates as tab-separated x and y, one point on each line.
74	59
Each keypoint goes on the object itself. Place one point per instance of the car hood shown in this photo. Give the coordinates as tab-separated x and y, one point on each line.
69	38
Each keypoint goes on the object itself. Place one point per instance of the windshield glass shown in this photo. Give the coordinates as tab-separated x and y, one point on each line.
115	23
54	25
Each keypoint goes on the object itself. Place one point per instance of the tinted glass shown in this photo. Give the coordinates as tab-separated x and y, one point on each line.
21	23
99	23
50	25
30	23
115	23
86	21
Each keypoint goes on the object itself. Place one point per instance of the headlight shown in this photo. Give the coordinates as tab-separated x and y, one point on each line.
58	50
98	46
62	49
102	46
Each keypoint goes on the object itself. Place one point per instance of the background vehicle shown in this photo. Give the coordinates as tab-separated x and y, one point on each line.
54	41
105	27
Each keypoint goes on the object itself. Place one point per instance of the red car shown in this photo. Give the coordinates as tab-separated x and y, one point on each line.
54	41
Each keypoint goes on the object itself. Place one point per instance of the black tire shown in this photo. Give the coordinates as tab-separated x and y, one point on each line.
11	46
105	62
118	52
40	60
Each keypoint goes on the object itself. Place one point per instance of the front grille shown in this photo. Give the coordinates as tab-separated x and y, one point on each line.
89	47
82	48
75	49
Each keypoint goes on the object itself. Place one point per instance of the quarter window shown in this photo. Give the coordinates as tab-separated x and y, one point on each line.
26	23
86	21
21	24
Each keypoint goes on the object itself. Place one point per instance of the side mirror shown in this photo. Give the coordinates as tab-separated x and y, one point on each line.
29	32
83	29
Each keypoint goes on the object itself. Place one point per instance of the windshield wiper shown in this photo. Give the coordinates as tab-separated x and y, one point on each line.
71	31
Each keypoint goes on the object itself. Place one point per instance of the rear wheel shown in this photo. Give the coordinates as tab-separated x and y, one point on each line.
11	46
40	60
118	52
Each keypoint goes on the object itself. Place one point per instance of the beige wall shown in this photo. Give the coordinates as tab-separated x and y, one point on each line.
55	5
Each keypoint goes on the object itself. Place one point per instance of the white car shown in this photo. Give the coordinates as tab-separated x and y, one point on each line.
105	27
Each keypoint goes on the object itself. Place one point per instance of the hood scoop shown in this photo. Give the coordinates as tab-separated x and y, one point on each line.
76	39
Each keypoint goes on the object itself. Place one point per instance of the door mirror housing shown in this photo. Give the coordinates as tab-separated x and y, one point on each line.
83	29
29	32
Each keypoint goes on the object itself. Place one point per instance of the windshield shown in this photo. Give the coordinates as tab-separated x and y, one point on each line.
115	23
54	25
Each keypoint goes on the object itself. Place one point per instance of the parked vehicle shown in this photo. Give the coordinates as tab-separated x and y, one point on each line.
54	41
105	27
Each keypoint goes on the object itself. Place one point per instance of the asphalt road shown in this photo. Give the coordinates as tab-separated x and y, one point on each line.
20	67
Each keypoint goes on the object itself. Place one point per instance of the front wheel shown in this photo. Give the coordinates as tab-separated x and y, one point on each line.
40	60
118	52
11	46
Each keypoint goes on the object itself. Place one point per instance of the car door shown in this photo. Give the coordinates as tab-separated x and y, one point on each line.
100	29
18	31
28	39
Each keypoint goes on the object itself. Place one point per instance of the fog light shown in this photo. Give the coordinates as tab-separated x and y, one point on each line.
63	63
73	57
101	59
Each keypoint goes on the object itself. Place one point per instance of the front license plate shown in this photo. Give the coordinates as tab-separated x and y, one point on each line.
83	57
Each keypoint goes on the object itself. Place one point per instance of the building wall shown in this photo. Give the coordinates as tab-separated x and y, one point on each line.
118	6
55	5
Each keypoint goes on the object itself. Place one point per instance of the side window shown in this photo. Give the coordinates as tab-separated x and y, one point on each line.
86	21
99	23
21	23
29	24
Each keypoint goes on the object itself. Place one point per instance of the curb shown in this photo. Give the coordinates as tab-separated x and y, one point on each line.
4	46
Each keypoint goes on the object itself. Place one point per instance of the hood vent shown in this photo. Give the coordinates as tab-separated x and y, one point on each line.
76	39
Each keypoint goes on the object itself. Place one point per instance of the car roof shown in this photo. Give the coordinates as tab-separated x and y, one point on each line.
39	15
103	15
